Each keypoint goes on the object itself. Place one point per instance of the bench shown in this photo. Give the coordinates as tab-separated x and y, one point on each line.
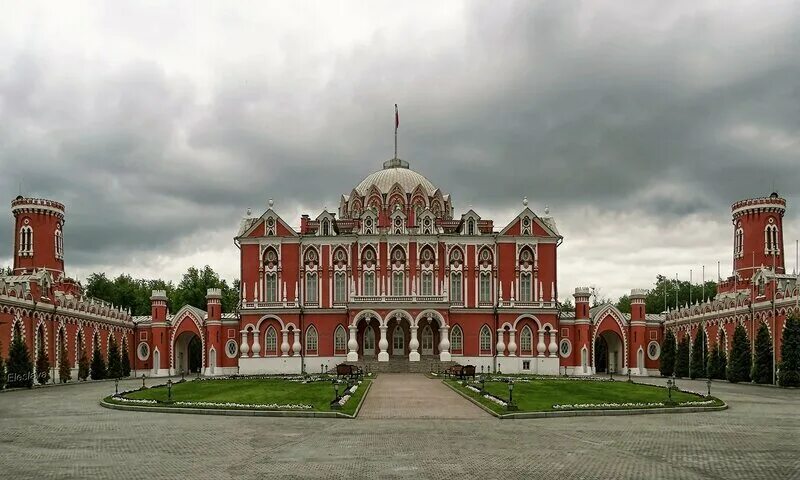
350	371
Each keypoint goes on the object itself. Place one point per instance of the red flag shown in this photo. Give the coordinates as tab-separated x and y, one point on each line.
396	117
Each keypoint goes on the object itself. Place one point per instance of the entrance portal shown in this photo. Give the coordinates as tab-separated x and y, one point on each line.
188	351
608	353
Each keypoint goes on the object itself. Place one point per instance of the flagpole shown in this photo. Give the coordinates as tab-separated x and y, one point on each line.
704	283
396	124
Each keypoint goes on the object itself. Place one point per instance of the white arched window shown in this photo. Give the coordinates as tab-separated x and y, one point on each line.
526	341
427	283
398	283
455	287
339	287
485	292
59	244
339	341
369	283
525	287
771	238
427	341
456	340
312	340
325	231
485	341
471	227
26	240
311	288
739	242
272	287
369	340
271	342
398	341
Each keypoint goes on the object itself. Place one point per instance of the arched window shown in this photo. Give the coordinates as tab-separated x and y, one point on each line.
26	240
398	284
271	342
456	340
485	293
398	341
325	227
369	340
339	341
427	226
427	283
369	226
526	341
471	227
398	225
339	287
485	341
369	283
771	238
311	340
272	287
525	287
311	288
59	244
739	241
455	287
427	341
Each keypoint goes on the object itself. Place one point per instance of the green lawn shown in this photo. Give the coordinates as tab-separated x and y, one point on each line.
255	391
541	395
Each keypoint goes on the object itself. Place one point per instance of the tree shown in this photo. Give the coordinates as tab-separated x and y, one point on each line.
194	286
722	373
126	360
42	361
2	370
667	366
19	365
682	358
665	287
712	368
114	362
83	366
567	306
64	372
739	365
698	363
762	367
790	353
98	368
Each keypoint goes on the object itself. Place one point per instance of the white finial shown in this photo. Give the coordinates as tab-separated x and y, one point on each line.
271	203
525	201
546	210
249	211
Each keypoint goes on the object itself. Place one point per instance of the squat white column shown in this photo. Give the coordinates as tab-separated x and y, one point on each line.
352	345
383	344
413	345
285	343
512	343
444	344
552	348
296	344
244	347
540	347
501	344
256	349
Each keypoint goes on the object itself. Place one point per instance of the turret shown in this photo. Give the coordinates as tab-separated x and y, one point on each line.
637	297
582	302
38	235
758	235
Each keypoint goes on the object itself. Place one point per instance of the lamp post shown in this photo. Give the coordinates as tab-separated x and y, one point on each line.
183	375
321	368
169	390
143	381
335	403
116	386
483	384
511	406
670	384
611	372
708	385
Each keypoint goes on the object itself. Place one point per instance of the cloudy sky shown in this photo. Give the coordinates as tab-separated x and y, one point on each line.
638	123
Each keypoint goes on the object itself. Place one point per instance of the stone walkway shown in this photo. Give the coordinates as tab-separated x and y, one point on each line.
412	395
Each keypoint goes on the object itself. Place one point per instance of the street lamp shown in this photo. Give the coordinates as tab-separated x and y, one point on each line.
321	368
670	384
708	384
183	377
143	381
511	405
116	386
483	384
611	372
335	403
169	390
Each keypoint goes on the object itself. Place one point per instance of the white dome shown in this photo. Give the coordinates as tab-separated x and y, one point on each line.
395	171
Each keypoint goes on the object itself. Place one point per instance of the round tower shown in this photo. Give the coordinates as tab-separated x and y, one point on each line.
38	235
758	234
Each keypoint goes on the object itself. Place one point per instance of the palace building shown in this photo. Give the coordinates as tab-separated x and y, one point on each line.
393	280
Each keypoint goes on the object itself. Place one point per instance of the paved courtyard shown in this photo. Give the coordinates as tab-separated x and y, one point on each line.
409	395
61	432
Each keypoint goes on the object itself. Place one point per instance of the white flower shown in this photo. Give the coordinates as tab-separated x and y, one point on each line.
585	406
256	406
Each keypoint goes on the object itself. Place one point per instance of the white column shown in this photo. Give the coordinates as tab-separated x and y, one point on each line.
285	343
256	349
501	344
444	344
413	345
296	344
352	345
552	348
244	347
383	344
512	343
540	347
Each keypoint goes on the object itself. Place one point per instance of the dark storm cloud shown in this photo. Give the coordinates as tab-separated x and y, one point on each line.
665	110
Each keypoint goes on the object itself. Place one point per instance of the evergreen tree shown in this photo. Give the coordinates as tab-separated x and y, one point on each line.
667	366
739	365
682	358
2	370
83	366
114	363
19	366
790	353
698	362
722	373
42	362
762	368
126	361
712	368
64	373
98	368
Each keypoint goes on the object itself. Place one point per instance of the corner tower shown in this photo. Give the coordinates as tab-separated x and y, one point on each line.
38	235
758	235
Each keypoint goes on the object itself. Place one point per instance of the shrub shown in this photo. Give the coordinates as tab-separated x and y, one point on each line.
682	358
697	365
114	363
42	363
762	367
64	372
667	365
739	365
19	366
2	370
712	368
722	373
83	366
126	360
98	368
790	353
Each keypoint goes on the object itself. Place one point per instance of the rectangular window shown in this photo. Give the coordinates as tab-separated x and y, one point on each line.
526	364
485	295
339	288
398	287
272	287
427	283
369	283
525	287
311	288
455	287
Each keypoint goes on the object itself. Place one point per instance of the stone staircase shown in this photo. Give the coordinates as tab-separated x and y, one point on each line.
402	365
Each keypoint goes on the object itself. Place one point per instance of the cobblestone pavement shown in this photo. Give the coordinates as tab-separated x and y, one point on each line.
61	432
408	395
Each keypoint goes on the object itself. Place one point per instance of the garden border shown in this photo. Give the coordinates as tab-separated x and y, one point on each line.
588	412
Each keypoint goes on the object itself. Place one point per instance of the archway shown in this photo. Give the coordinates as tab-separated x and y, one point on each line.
609	352
188	353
